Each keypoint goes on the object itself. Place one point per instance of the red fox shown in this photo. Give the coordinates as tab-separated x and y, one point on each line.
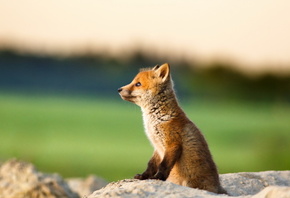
181	154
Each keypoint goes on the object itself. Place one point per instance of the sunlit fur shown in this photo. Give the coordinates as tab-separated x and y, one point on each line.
181	154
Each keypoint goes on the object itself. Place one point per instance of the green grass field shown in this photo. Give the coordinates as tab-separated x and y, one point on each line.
80	136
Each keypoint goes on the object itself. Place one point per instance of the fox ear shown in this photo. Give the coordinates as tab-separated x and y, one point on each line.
162	71
156	67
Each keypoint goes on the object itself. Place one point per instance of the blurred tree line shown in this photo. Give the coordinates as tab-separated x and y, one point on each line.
100	74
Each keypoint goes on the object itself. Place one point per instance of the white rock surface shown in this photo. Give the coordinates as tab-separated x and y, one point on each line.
86	186
22	180
248	183
242	185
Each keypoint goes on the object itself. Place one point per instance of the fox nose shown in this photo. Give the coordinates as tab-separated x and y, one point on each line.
119	90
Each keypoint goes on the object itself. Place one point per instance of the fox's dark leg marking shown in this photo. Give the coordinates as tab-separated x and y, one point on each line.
172	155
151	168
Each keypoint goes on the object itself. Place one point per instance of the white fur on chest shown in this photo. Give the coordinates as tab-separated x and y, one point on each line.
156	141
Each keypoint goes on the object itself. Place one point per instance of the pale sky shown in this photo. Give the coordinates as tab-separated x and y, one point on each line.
254	34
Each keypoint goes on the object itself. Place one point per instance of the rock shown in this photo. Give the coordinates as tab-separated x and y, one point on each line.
22	180
242	185
86	186
131	188
247	183
274	192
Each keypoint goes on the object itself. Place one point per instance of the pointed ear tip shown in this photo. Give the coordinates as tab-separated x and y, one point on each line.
166	64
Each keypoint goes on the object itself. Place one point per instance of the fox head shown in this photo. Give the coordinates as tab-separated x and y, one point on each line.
147	84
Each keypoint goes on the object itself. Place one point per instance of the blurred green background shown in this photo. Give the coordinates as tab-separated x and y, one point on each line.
65	115
61	63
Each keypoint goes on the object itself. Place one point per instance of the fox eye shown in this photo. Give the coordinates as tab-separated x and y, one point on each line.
138	84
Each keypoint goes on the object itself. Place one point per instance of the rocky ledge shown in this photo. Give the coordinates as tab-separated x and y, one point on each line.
22	180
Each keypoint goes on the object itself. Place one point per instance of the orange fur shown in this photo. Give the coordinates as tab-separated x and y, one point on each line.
181	154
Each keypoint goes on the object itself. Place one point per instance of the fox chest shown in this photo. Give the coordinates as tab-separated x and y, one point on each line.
155	135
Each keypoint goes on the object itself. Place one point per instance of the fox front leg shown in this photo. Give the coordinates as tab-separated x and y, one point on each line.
172	155
151	168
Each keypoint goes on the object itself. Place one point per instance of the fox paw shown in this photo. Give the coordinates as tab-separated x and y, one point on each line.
159	176
139	176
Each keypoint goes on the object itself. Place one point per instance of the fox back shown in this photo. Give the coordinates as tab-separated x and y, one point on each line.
181	154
